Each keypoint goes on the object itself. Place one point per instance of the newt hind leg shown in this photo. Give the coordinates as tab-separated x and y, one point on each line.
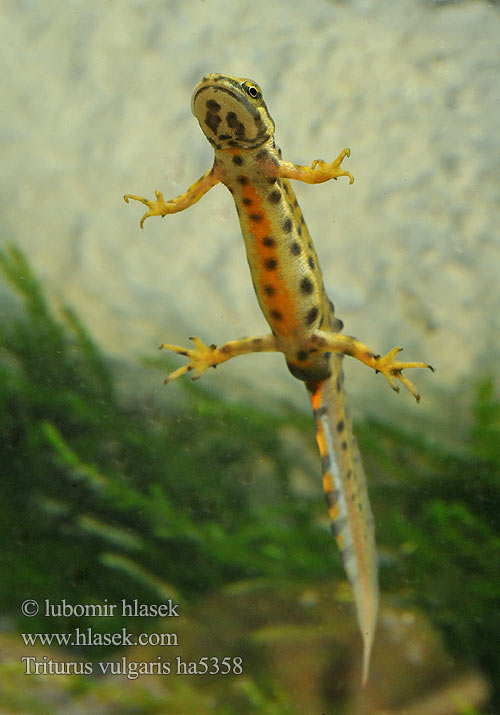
390	368
202	356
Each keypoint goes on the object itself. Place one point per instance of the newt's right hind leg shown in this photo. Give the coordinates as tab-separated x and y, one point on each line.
202	356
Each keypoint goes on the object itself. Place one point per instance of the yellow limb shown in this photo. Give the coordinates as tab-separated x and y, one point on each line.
202	356
318	172
390	368
160	207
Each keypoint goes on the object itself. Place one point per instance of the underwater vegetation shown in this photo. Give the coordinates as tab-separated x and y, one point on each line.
103	498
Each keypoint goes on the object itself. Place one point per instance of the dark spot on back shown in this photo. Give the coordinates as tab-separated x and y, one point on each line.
295	248
246	201
276	315
242	180
312	315
312	265
274	197
287	225
268	241
212	105
271	264
269	290
237	160
306	286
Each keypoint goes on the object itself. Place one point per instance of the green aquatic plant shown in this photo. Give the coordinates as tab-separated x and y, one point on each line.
99	498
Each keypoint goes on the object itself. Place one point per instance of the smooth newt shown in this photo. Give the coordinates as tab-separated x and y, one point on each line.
289	287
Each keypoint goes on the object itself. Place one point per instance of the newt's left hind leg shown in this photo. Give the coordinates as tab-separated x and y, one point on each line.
202	356
391	369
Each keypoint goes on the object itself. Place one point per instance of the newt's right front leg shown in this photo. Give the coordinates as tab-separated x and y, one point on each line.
160	207
202	356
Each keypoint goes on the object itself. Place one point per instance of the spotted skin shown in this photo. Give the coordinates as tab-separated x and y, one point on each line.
289	286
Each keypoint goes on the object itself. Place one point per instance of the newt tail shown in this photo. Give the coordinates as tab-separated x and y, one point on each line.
346	496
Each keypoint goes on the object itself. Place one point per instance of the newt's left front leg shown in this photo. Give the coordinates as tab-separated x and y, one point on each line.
318	172
202	356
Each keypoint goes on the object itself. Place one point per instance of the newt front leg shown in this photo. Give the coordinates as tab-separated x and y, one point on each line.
318	172
160	207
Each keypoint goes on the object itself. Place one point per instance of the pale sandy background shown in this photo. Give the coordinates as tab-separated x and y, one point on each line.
96	102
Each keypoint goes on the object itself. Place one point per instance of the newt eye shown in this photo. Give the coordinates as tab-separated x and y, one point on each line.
252	90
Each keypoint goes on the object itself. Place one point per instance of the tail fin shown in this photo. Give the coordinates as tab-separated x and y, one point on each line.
347	500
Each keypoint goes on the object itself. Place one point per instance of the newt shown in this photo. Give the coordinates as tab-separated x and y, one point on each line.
289	286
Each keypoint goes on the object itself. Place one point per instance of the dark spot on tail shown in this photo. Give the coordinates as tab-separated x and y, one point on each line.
339	525
274	197
326	463
332	498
